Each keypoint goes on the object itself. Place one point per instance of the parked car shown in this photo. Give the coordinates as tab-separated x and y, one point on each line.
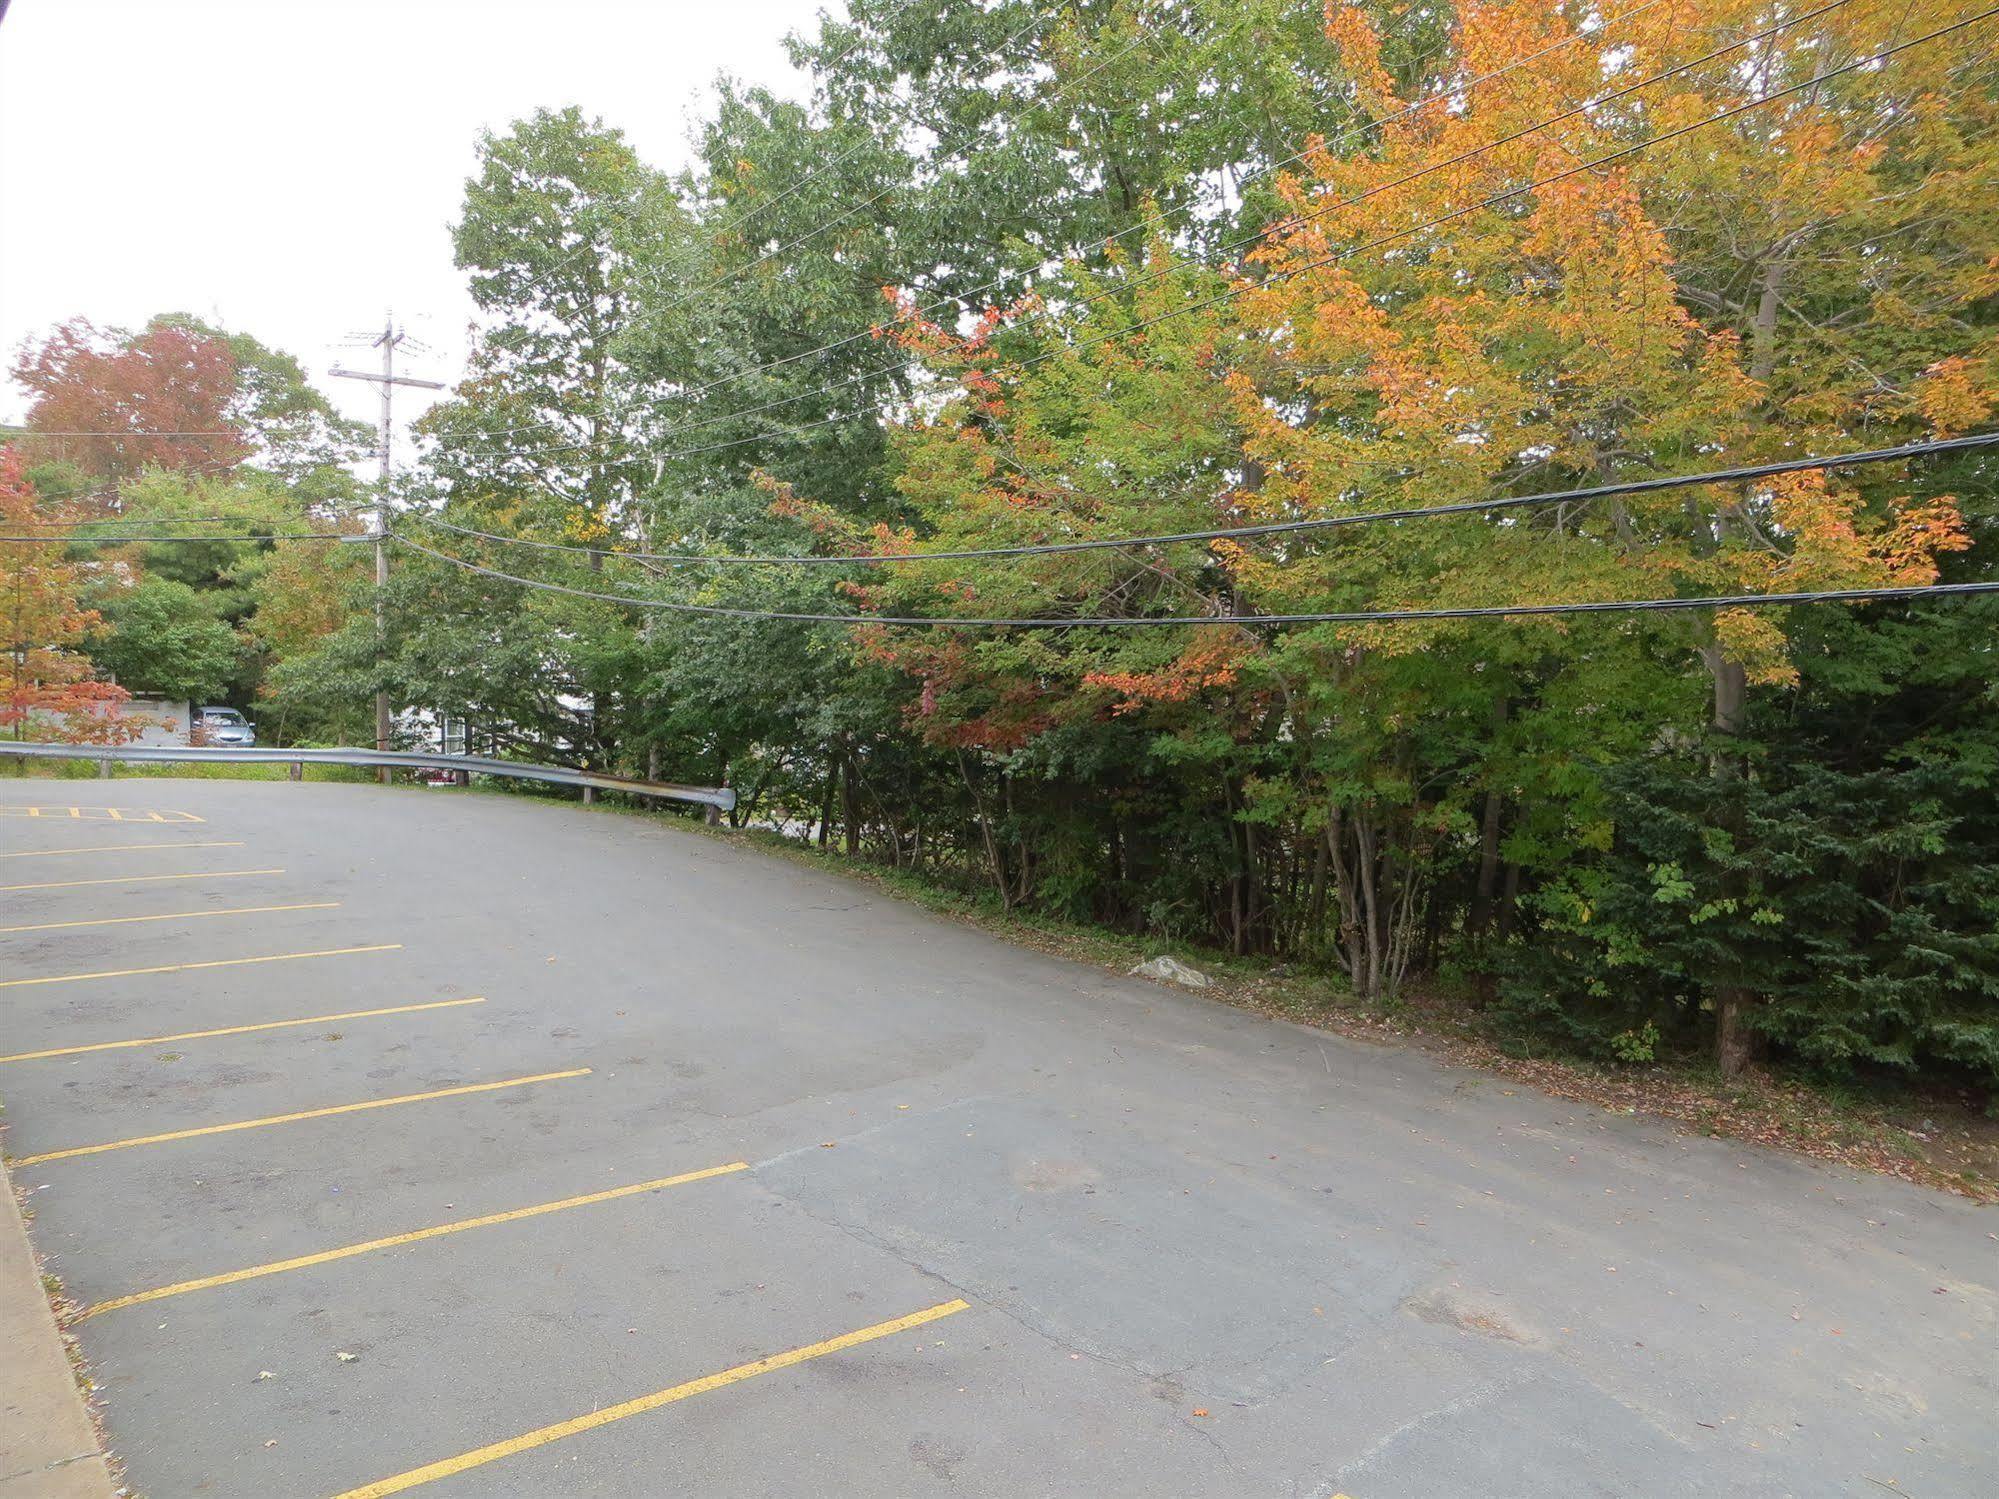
223	728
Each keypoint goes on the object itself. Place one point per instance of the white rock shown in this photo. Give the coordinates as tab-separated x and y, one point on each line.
1173	971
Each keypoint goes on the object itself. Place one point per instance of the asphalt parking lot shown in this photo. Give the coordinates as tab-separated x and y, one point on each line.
392	1141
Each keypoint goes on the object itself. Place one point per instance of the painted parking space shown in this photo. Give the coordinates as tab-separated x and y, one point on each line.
358	972
240	1030
727	1127
168	1137
56	812
139	879
413	1236
590	1421
116	848
151	916
94	975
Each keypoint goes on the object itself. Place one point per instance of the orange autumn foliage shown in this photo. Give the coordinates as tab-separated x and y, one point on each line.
1583	311
116	404
50	690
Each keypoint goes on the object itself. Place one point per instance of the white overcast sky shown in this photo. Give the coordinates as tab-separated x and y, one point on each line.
288	167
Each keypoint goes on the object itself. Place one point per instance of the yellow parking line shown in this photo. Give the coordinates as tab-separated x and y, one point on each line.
127	973
239	1030
56	926
339	1108
95	814
398	1240
115	848
142	879
480	1456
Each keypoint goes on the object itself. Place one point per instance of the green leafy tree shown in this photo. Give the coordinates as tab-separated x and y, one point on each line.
1016	275
295	431
163	638
544	235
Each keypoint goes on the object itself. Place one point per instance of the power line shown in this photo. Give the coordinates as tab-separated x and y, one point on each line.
153	520
1051	263
1226	533
178	520
1357	616
1273	528
128	537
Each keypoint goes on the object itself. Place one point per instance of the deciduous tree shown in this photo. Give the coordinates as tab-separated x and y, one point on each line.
52	691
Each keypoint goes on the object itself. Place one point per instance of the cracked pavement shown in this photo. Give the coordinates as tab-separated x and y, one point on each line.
1205	1254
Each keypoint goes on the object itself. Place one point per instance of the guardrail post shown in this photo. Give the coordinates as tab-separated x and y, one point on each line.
104	768
295	771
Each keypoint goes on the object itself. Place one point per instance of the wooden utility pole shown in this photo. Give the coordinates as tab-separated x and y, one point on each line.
387	380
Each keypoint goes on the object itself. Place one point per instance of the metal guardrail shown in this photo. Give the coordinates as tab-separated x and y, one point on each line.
721	798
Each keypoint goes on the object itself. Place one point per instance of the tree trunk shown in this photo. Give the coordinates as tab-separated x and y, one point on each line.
1480	915
1372	924
1242	880
849	806
826	801
995	860
1315	900
1347	941
1488	868
1433	934
1252	884
1763	329
1734	1042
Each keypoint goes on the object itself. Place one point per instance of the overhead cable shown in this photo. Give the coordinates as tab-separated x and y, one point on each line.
128	537
1270	528
1154	621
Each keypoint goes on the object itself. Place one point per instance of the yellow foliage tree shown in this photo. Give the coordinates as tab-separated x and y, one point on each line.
1689	238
